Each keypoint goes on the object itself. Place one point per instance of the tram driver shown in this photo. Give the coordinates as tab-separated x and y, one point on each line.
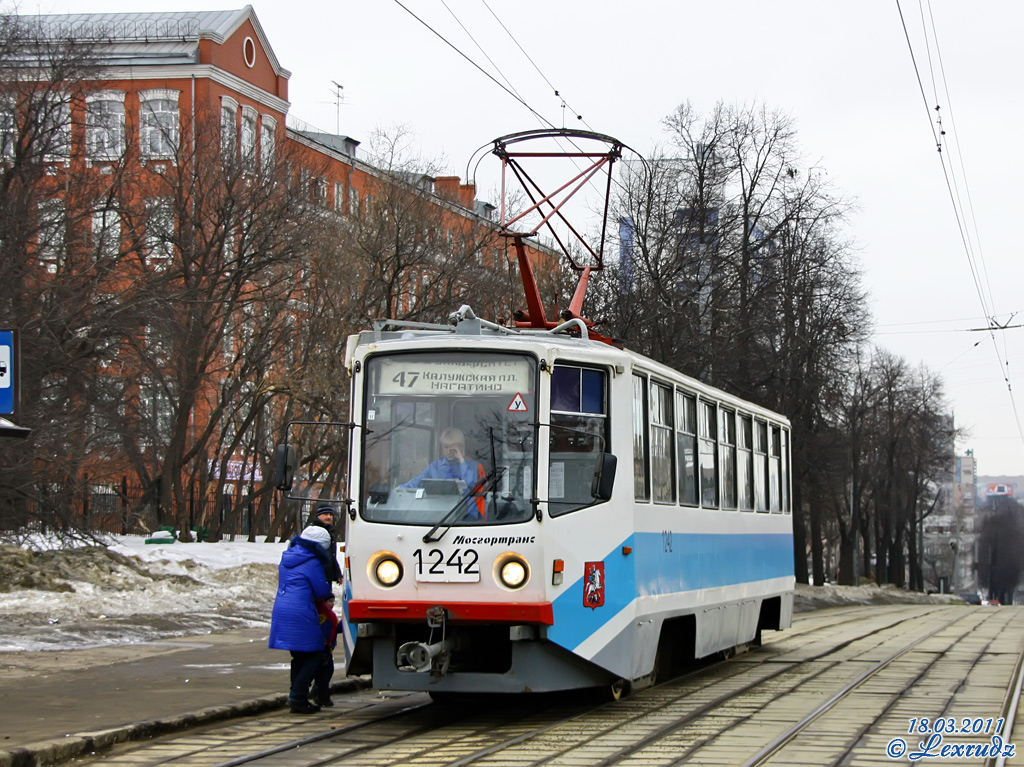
454	464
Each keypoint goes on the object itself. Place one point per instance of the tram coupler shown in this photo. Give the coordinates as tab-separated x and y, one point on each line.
420	656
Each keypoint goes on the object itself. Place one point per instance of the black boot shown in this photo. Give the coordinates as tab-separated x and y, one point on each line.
302	707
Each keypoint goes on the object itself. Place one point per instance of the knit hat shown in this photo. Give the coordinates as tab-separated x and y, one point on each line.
324	510
317	535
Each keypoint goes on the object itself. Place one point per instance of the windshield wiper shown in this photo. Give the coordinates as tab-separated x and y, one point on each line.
482	486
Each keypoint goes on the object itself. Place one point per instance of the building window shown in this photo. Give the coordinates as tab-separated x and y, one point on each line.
8	131
106	232
353	201
104	125
268	137
249	137
156	414
53	115
158	123
52	234
228	128
159	231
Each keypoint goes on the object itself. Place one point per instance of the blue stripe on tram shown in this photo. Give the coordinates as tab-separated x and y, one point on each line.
694	561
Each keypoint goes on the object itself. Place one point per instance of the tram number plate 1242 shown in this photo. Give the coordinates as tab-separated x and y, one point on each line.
457	566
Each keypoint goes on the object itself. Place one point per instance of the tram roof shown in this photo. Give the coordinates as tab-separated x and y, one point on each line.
480	334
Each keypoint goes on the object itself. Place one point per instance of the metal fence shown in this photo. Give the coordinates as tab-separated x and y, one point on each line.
128	510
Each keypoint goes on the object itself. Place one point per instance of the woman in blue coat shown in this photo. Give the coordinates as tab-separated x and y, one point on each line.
295	623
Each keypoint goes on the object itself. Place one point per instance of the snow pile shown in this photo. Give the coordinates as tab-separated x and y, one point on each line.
816	597
132	592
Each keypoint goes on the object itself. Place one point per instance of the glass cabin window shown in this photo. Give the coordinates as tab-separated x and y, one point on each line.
662	474
784	479
641	480
760	466
774	469
449	435
727	450
708	426
579	433
686	447
744	464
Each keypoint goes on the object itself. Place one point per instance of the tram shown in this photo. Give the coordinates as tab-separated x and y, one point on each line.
535	510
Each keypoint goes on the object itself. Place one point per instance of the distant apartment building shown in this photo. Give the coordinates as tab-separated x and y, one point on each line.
950	534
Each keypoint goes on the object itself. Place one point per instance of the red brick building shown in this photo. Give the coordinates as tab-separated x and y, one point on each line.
135	134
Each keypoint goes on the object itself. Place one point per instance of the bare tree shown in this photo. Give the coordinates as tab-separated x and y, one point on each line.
57	255
734	269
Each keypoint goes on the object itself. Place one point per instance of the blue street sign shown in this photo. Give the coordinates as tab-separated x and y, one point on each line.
7	372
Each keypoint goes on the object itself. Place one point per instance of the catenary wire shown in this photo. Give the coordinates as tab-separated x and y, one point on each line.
556	91
963	236
477	66
963	173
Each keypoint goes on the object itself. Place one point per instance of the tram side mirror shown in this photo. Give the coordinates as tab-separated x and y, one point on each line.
284	467
379	492
604	477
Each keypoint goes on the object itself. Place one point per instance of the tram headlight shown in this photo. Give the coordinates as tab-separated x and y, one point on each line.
512	571
385	568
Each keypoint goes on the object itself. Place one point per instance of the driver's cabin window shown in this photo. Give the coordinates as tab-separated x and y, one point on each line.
579	432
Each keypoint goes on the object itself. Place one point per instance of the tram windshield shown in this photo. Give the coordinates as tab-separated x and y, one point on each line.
449	436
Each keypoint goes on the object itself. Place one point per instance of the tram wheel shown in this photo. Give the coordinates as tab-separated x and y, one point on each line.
617	690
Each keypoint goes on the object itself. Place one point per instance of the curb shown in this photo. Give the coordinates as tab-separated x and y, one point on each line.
58	750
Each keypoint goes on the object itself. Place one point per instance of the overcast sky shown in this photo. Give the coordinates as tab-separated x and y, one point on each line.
842	71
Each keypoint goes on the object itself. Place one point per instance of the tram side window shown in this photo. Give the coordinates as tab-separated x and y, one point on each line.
727	450
686	447
786	507
744	464
760	466
662	475
774	469
641	481
708	454
579	431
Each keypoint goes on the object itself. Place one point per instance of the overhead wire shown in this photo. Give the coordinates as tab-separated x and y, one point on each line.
483	71
958	208
529	58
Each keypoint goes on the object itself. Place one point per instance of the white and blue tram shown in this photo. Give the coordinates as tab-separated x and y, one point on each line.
553	571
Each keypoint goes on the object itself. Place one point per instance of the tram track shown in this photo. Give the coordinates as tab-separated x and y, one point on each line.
685	718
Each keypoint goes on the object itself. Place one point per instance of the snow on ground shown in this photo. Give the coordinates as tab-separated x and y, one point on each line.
54	598
131	591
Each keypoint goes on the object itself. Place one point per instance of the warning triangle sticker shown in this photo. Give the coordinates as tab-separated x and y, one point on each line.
518	405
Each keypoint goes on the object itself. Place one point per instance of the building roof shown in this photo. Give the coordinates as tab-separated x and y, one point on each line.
183	26
155	37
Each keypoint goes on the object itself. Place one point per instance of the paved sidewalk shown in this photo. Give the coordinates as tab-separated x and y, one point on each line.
57	705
